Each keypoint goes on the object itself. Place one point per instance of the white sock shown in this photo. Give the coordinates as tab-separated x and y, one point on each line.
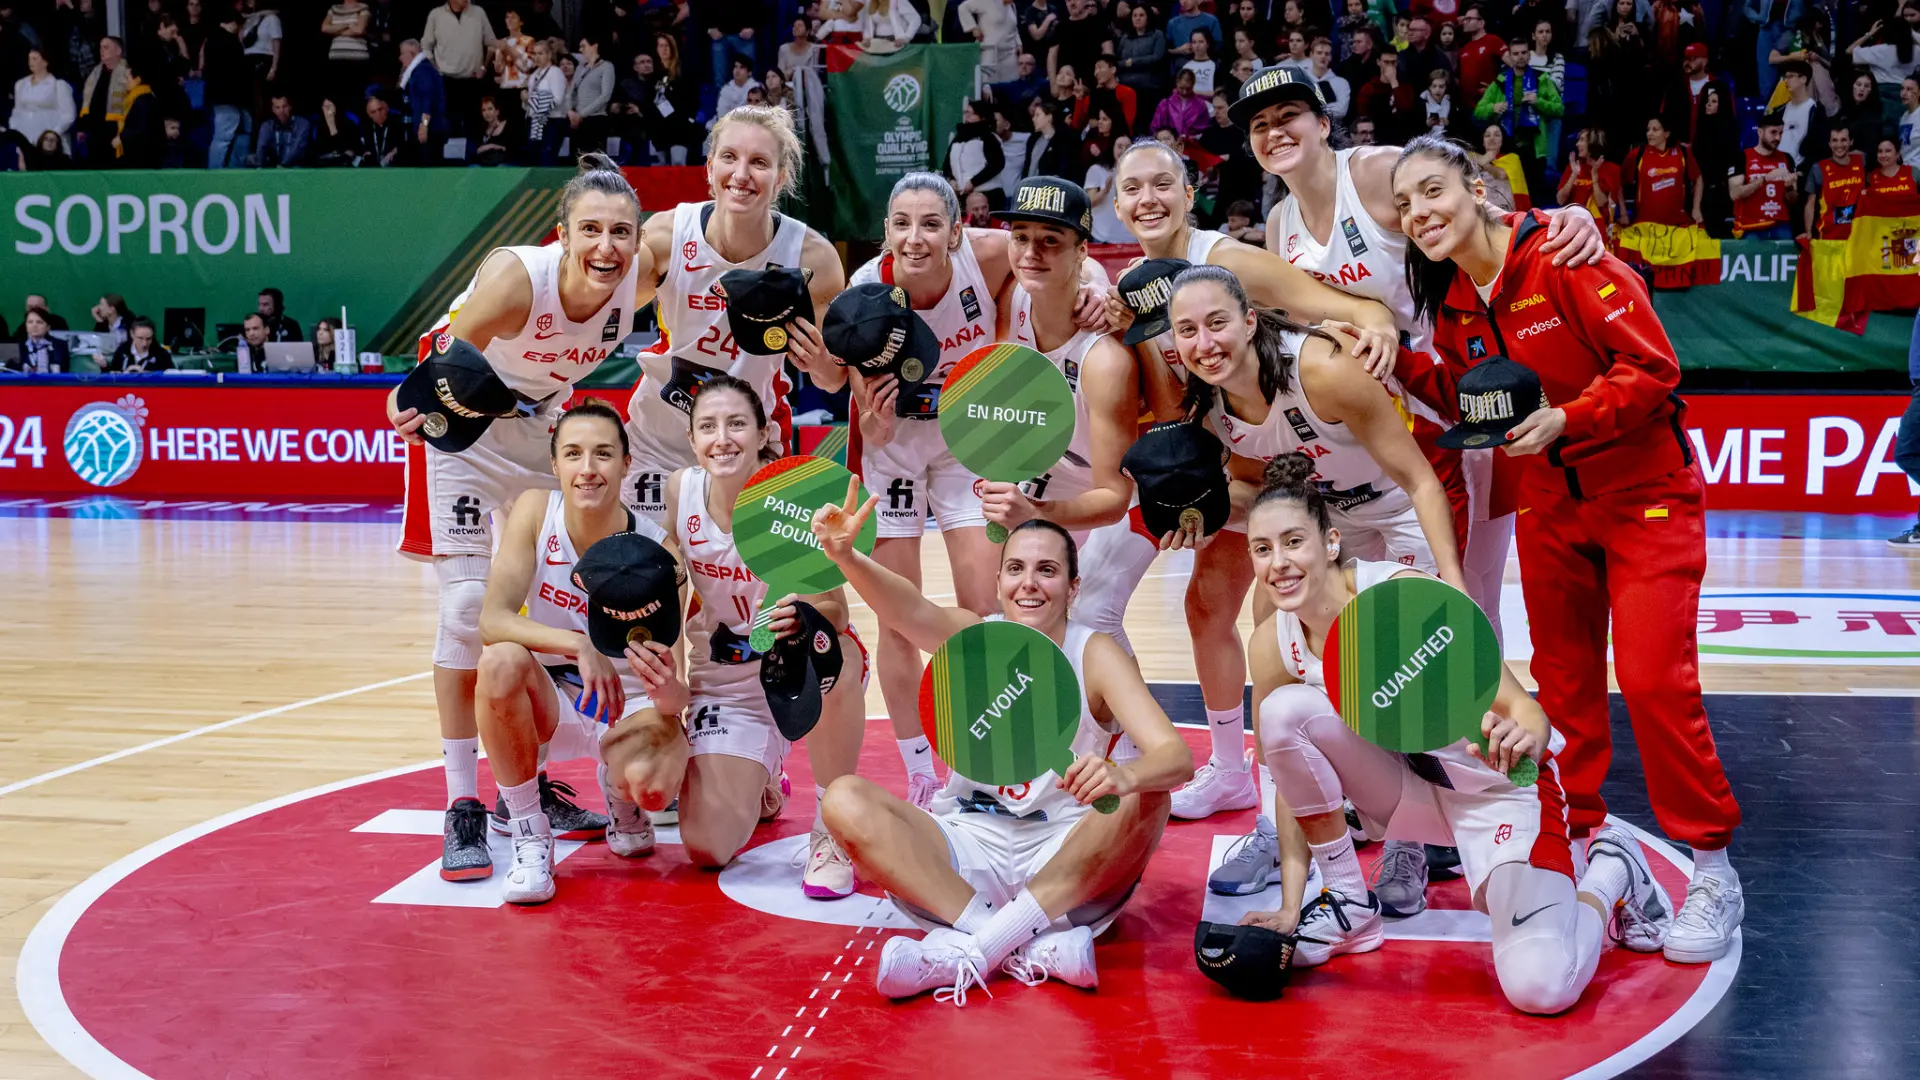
1266	790
1340	868
1579	849
462	759
1011	927
1228	728
975	918
917	754
543	756
819	796
1608	879
1713	864
523	800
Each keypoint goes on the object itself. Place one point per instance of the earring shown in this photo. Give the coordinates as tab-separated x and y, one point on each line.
1333	551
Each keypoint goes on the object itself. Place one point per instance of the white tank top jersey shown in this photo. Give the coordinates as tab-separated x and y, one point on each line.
1041	800
551	352
964	318
1200	245
554	600
1464	772
725	592
1359	256
1343	469
1074	473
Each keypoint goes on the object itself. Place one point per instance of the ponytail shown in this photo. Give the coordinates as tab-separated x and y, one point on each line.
1288	479
596	172
1269	340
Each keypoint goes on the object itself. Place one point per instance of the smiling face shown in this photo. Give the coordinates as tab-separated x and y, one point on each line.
727	434
1045	255
1290	554
1887	156
1151	196
588	459
1212	333
1438	210
1287	136
1035	584
920	234
743	173
600	236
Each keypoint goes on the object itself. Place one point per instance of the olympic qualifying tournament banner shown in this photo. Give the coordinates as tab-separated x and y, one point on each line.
889	114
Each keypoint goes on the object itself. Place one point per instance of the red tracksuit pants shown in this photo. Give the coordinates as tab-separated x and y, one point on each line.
1637	555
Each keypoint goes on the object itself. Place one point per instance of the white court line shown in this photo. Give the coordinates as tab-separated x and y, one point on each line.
156	744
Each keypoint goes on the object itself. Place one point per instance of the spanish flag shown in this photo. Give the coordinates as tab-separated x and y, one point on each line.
1820	286
1876	268
1680	257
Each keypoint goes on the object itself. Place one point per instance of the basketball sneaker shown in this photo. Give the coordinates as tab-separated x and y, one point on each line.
1214	790
1906	541
1644	917
571	821
1356	829
530	880
921	789
829	873
669	816
1331	924
1252	863
463	844
1066	955
1703	931
773	797
1400	879
945	958
1443	863
629	830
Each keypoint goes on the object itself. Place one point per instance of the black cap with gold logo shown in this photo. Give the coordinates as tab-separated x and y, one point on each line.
633	592
760	304
1050	200
1271	87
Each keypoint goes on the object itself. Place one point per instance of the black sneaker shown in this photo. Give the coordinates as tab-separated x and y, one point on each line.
463	851
1906	541
570	821
1443	863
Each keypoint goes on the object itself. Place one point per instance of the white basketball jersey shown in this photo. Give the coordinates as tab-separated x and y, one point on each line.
1343	469
725	592
1074	474
1200	245
551	352
1041	797
1359	256
554	600
964	318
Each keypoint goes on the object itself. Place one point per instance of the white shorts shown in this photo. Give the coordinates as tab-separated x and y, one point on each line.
732	717
578	735
1502	824
1384	530
1112	561
997	855
913	474
452	498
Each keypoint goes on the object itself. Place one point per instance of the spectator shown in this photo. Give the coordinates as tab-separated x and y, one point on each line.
1592	181
1682	103
1296	53
1479	54
800	52
1028	83
383	138
1861	113
111	314
1440	114
1447	38
1245	15
1387	100
1362	59
1013	150
1762	188
174	147
514	57
1185	112
1247	47
1083	36
40	352
545	107
103	101
1363	132
167	60
1235	78
1666	180
260	41
734	93
1226	156
139	141
992	24
1099	187
35	300
1040	31
1171	139
779	93
1834	187
636	114
195	29
41	101
1353	19
1334	89
1804	122
1200	62
887	24
457	40
1441	13
678	102
286	140
272	309
979	212
1770	19
975	158
1716	147
1549	62
588	95
1502	168
336	141
1672	25
426	98
1522	102
349	60
499	138
1908	128
1142	52
250	352
228	93
1181	27
47	155
1422	56
1241	226
1617	75
1891	59
730	26
1891	185
140	353
1054	148
1098	136
1811	41
1107	92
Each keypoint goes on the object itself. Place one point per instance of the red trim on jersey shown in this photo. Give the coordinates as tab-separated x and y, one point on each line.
1552	850
782	417
854	444
416	518
1139	525
866	658
886	268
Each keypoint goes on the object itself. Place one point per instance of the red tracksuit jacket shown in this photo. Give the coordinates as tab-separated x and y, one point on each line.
1591	335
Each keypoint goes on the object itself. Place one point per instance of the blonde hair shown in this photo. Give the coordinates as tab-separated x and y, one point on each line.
776	121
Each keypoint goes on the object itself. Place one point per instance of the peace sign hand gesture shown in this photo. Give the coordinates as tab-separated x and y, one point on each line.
836	527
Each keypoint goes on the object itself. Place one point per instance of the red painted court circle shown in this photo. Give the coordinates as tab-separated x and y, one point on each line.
301	938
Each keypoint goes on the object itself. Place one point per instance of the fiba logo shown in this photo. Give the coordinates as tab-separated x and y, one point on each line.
902	92
103	441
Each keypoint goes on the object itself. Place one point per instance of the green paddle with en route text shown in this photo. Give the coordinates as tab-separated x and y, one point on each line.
773	531
1001	705
1412	666
1006	414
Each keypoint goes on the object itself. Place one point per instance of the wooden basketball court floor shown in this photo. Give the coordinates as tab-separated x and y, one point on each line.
159	673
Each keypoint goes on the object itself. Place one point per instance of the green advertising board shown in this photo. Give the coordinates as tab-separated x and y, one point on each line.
890	114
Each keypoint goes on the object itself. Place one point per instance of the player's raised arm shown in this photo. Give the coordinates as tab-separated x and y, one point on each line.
892	597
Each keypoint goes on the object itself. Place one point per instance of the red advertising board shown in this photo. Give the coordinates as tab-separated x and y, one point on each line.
1831	453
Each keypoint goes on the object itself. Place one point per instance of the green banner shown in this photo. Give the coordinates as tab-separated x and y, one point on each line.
1746	323
889	115
393	246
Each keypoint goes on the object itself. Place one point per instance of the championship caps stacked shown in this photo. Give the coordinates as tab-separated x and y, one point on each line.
873	329
458	393
762	302
1495	395
1050	200
1148	290
1179	471
633	592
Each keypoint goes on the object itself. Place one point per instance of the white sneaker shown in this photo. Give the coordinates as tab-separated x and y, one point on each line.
1646	913
945	958
1214	789
669	816
1703	931
1066	955
829	873
921	788
530	879
1331	924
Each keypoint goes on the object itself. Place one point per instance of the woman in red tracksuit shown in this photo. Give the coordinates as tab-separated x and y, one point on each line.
1612	518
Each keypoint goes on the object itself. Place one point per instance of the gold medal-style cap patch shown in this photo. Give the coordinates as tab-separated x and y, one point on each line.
1477	440
435	425
639	635
776	338
912	369
1191	520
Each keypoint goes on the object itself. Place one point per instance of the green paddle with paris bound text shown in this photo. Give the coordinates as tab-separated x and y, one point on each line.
1001	705
1006	414
773	531
1412	666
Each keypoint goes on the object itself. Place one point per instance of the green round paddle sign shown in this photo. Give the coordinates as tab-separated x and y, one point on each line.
1006	413
1001	704
1412	665
773	530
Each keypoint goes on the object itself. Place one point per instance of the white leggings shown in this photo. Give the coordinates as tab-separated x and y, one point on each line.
1546	961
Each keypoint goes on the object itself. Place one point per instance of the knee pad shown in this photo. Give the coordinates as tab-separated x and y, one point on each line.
463	587
1283	714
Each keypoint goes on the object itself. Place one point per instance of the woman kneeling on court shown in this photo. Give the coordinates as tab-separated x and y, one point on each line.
1547	935
1018	876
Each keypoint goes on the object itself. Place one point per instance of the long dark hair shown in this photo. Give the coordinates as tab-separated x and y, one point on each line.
1269	342
1428	280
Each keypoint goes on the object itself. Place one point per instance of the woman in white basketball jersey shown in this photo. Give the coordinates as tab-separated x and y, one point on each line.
726	772
545	317
754	158
1548	932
